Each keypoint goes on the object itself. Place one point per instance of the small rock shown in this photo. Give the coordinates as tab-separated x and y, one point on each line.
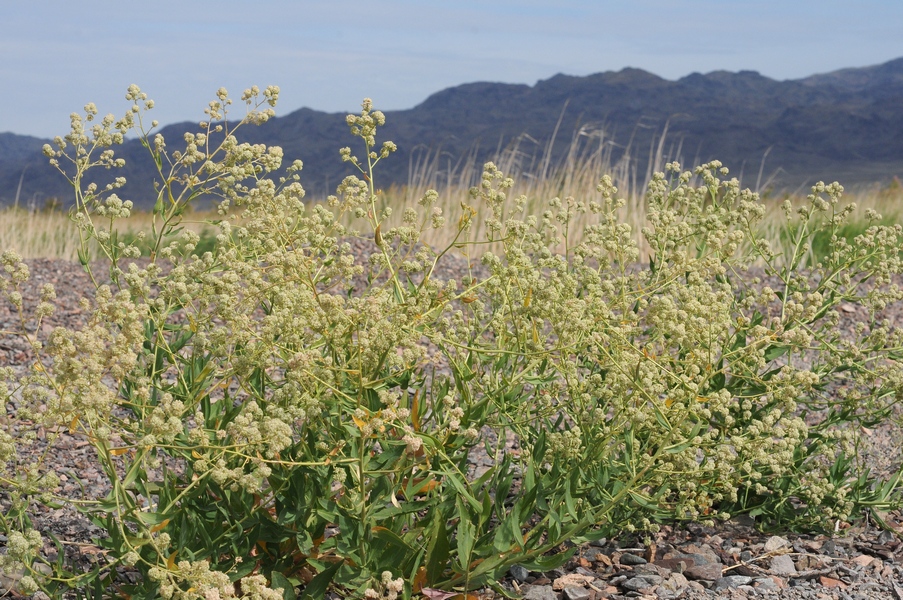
636	584
776	542
571	580
696	587
519	573
652	570
672	587
576	593
731	581
830	548
765	583
586	572
540	592
701	554
676	564
863	560
632	559
709	572
830	582
886	537
783	565
600	543
591	554
743	521
812	545
805	563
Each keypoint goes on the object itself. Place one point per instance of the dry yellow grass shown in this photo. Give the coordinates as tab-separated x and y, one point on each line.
51	234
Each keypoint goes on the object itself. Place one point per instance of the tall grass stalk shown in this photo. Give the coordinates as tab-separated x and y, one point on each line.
537	177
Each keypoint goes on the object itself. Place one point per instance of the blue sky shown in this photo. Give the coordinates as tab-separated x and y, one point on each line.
57	55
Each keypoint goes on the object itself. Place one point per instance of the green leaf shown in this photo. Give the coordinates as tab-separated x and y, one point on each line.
151	518
547	563
438	551
466	535
508	535
464	492
392	540
773	352
278	580
316	589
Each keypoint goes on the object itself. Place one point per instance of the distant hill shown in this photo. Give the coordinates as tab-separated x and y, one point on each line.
846	125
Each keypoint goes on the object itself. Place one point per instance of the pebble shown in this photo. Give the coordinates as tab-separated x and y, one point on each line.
783	565
708	572
632	559
636	584
576	593
519	573
775	543
540	592
731	581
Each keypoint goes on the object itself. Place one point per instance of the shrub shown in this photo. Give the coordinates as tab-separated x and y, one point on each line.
277	413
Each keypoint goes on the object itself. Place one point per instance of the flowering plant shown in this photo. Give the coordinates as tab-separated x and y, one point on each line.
279	414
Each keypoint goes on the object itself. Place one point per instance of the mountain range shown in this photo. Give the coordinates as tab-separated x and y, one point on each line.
846	125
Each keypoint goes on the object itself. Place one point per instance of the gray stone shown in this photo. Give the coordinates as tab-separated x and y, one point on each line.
632	559
591	553
783	565
776	542
701	551
765	583
519	573
636	584
676	564
672	587
576	593
708	571
731	581
654	570
696	587
696	558
886	537
541	592
744	520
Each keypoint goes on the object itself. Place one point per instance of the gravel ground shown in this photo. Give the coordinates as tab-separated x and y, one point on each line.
731	560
